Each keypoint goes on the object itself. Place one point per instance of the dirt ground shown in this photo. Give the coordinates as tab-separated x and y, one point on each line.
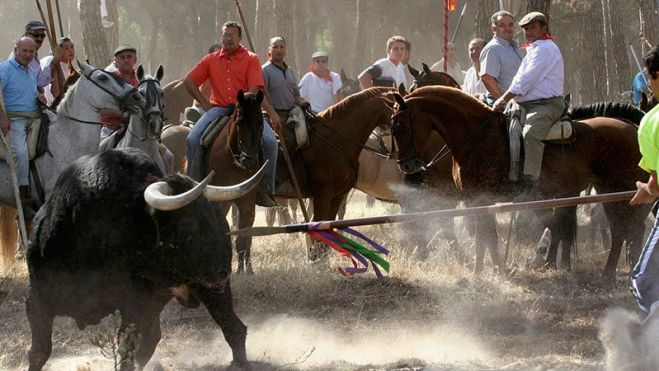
426	315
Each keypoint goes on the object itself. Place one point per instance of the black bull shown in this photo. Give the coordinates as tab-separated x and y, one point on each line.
97	247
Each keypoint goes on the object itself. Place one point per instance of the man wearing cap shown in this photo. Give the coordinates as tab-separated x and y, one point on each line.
230	69
320	85
45	75
385	72
19	90
123	65
538	87
501	57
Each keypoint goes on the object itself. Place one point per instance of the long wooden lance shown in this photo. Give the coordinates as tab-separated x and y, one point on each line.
59	18
457	26
470	211
52	34
289	163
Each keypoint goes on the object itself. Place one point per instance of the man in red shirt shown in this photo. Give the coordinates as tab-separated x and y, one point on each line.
228	70
125	58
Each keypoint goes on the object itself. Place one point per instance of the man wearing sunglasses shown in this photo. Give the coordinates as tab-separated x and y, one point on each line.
45	76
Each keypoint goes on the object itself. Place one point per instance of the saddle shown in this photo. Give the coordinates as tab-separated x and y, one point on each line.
199	164
560	133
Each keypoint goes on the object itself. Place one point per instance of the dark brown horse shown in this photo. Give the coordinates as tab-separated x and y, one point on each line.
604	153
235	157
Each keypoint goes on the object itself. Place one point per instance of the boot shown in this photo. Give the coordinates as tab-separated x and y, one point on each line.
26	202
527	184
264	197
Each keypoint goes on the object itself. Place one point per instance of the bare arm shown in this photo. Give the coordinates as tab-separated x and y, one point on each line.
491	86
193	89
365	80
646	192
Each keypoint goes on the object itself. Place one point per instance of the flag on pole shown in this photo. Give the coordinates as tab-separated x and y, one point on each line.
452	5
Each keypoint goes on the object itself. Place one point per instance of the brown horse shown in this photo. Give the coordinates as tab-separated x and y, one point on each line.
235	158
604	153
177	99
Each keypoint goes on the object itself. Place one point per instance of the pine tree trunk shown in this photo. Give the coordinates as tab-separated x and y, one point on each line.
650	26
482	23
622	76
592	66
96	48
263	26
541	6
112	32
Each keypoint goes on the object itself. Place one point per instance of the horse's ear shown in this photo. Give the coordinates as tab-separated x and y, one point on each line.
401	89
568	100
140	73
160	73
401	102
84	67
344	77
426	69
241	97
259	97
413	71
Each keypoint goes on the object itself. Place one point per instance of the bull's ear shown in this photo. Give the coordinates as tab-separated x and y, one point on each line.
241	97
402	105
413	71
426	69
401	89
140	73
160	73
259	97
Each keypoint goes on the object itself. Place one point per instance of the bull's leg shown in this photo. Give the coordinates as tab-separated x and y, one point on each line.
40	316
220	306
244	243
150	333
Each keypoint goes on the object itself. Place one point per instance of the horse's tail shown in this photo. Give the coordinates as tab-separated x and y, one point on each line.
621	111
8	236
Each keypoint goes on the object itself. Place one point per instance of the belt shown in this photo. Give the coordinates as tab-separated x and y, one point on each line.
23	114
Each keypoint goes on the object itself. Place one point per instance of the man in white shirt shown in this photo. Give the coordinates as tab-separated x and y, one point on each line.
385	72
402	66
66	66
538	87
320	86
472	83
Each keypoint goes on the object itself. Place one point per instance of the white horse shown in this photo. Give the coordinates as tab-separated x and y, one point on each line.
74	133
145	124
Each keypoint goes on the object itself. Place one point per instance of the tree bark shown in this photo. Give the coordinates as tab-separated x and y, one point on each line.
621	77
592	66
650	25
541	6
112	32
97	50
263	24
482	23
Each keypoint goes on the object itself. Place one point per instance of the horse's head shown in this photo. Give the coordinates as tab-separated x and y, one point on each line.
248	128
429	77
123	95
408	136
349	86
151	112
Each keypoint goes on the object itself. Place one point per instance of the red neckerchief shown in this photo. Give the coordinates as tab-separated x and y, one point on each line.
544	36
327	77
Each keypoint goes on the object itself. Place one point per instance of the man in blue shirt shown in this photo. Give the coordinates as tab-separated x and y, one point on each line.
19	89
639	85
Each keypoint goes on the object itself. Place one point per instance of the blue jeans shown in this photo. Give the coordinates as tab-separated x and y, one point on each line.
268	137
18	132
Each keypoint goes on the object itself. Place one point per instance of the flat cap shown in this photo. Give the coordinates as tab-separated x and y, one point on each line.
35	25
124	47
532	17
320	54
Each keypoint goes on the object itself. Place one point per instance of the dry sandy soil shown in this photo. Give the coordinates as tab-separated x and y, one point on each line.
427	315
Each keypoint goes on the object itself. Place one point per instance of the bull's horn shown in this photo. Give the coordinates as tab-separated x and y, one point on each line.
215	193
159	195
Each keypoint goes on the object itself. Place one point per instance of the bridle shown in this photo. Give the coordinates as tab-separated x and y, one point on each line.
153	110
241	158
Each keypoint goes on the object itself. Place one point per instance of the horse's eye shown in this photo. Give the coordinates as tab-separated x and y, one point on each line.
103	78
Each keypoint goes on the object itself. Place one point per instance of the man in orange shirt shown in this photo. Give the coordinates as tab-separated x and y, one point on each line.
228	70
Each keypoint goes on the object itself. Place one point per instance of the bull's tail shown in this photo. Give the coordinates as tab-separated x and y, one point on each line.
619	333
8	236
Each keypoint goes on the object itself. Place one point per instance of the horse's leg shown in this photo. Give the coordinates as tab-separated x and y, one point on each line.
322	206
270	214
40	316
486	237
8	235
565	221
219	304
615	212
244	243
341	210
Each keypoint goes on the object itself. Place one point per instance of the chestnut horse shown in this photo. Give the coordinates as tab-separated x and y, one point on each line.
235	157
604	153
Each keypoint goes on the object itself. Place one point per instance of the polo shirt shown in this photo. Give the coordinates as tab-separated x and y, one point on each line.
42	73
648	140
501	59
19	87
228	73
385	73
281	85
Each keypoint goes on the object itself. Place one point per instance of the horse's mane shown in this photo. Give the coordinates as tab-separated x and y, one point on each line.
623	111
447	92
354	100
68	100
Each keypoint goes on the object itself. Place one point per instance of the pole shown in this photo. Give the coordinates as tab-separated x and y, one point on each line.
59	18
457	26
638	64
470	211
289	164
51	25
446	36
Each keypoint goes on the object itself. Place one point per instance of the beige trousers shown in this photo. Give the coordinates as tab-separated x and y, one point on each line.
541	114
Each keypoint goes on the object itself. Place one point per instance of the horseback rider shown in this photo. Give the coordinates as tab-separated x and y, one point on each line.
19	89
228	70
472	83
538	88
123	65
501	57
45	74
65	64
385	72
320	86
645	282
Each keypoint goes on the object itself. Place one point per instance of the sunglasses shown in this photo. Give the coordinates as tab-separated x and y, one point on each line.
38	35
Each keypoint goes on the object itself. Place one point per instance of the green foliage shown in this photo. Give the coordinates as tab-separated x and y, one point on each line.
116	344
